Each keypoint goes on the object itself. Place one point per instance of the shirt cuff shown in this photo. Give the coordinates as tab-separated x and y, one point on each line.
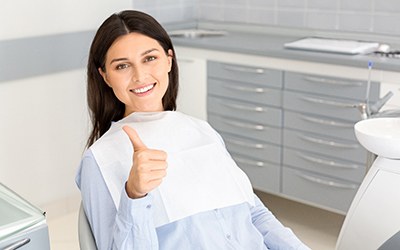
135	211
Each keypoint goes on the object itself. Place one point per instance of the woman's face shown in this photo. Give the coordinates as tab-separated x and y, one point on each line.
136	68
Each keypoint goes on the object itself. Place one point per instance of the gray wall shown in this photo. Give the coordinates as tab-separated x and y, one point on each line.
365	16
44	121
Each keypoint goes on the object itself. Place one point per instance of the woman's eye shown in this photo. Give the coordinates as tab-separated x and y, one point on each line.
150	58
121	66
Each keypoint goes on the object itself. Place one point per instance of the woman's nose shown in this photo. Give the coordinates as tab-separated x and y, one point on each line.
139	75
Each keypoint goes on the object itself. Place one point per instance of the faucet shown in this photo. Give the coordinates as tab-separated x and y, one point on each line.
374	109
368	110
365	108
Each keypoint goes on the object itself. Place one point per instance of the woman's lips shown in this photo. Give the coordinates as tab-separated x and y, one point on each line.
143	90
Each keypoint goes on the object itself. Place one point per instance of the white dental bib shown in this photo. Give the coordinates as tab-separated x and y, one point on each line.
201	175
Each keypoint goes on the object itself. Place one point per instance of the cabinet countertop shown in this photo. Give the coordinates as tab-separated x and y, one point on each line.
272	45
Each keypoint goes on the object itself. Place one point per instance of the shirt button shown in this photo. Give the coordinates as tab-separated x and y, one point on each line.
228	236
148	206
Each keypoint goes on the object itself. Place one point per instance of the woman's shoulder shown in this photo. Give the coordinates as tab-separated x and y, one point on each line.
88	160
88	154
87	167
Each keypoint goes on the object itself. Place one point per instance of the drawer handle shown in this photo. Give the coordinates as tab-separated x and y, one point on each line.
244	125
249	145
331	81
327	122
245	89
243	107
326	182
249	162
244	69
17	244
327	163
328	102
328	143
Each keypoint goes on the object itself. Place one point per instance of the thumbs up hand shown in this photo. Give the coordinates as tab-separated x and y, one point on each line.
148	169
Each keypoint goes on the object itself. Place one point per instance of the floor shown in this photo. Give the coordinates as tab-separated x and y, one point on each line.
317	228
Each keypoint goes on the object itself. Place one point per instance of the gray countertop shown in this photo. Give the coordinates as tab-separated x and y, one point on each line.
271	45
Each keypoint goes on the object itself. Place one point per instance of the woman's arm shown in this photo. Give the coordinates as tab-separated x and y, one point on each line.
276	236
129	227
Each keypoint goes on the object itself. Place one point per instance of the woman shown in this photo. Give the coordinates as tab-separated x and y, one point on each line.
153	178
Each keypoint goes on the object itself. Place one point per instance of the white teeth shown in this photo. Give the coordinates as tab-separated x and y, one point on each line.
144	89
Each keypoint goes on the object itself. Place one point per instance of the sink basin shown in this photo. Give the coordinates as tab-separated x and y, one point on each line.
380	136
196	33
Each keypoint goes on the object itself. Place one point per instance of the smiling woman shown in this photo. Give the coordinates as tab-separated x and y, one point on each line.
136	68
127	57
154	178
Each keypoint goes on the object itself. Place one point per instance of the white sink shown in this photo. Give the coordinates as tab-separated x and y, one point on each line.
380	136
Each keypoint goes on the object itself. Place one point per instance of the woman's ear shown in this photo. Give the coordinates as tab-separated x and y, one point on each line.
104	75
170	58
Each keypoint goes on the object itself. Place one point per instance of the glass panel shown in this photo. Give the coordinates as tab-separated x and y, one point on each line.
10	213
16	214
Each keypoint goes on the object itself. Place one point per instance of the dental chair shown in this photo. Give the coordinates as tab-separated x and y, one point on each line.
86	239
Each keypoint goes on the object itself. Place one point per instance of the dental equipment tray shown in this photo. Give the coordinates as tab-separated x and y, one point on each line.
341	46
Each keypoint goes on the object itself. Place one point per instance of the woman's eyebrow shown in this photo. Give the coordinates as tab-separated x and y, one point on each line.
149	51
118	59
125	59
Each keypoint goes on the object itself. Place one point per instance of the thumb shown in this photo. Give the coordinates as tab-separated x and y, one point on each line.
134	138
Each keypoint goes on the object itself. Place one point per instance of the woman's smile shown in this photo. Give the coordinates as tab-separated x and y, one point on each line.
144	90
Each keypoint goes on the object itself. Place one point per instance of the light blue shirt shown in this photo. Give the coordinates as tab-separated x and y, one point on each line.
131	226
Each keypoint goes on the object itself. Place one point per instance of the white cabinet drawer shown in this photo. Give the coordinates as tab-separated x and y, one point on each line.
247	92
245	111
343	149
248	129
331	86
263	175
326	165
318	189
253	148
324	125
236	72
326	106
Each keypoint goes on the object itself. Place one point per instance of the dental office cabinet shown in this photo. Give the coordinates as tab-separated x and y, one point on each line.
22	226
243	105
323	163
287	123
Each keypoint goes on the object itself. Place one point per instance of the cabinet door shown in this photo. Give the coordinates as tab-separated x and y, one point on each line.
192	93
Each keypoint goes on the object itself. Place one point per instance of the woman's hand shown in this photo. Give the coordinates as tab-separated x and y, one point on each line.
148	169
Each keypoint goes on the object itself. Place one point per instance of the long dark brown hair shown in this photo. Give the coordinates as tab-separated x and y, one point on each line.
104	107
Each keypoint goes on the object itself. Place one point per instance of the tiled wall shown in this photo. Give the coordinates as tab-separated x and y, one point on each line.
168	11
377	16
